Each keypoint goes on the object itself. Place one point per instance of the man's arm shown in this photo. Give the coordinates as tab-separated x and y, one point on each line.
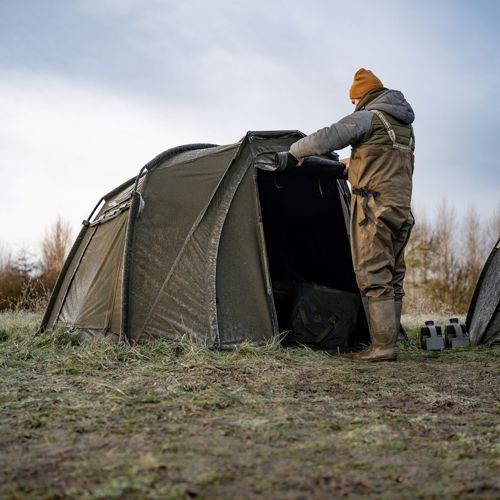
350	130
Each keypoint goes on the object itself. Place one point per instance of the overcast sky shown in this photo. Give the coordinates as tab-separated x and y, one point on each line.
90	90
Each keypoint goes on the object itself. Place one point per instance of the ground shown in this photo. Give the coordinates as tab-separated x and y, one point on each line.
174	420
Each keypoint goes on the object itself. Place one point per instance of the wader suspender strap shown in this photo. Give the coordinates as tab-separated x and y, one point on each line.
392	134
365	194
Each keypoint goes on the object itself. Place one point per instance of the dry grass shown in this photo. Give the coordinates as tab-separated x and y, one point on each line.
174	420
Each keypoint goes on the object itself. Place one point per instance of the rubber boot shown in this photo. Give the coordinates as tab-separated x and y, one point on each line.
402	335
398	306
364	301
384	332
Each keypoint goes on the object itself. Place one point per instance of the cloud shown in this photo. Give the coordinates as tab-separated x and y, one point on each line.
101	86
65	144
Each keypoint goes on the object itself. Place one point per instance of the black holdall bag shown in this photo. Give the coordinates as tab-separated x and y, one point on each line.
322	316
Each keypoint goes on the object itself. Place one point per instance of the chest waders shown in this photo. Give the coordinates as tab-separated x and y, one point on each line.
366	193
379	233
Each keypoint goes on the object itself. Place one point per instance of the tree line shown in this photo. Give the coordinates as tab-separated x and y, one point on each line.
26	283
444	259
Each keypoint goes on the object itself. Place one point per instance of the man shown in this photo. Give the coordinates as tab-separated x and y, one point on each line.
380	171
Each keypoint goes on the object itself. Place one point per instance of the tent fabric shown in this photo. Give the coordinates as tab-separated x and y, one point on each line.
165	233
95	264
241	253
92	299
483	317
190	246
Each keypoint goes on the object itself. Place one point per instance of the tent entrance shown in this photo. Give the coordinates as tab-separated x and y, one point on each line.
306	236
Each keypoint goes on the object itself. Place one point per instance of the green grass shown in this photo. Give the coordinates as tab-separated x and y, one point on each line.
175	420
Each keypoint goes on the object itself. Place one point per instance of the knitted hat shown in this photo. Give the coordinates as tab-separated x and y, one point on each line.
364	81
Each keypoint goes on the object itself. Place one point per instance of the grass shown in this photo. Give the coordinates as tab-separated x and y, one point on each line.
175	420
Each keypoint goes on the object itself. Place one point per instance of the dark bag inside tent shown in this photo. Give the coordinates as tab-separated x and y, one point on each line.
323	316
315	293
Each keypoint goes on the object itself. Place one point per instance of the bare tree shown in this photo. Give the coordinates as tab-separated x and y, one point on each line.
7	287
419	256
55	246
445	259
493	228
25	284
15	276
5	258
473	254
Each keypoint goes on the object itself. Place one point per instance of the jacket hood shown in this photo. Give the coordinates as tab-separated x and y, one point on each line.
394	103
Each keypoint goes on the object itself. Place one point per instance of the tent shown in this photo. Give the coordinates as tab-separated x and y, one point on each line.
199	242
483	317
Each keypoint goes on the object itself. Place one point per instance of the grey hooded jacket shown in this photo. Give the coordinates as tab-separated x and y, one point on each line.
354	128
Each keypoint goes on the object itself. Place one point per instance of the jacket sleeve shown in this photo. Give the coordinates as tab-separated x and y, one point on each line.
348	131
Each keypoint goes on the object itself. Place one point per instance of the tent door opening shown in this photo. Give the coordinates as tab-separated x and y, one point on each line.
314	288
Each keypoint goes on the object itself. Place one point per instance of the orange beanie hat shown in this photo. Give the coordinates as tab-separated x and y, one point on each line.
364	81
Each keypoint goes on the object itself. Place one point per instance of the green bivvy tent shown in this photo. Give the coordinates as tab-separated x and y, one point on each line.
194	244
483	317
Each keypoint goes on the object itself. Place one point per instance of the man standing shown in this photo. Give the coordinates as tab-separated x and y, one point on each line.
380	171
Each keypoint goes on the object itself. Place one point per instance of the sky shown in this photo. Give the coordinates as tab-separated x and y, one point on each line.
91	90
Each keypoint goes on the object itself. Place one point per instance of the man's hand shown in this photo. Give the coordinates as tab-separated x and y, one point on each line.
299	160
346	162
